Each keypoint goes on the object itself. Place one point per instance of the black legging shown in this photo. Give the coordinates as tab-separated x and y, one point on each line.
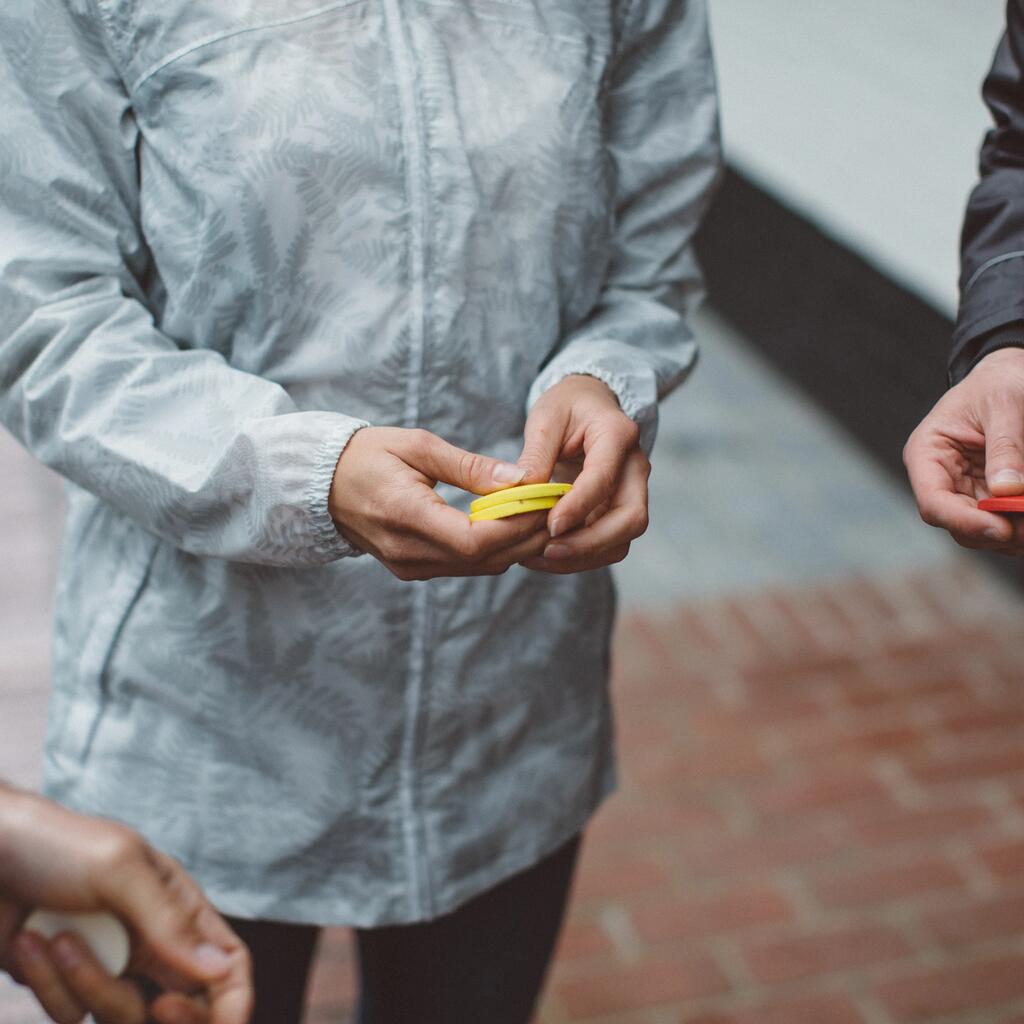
486	961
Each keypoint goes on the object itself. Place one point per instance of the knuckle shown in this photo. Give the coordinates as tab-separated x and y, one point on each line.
191	903
638	522
619	554
467	546
630	430
541	419
928	514
121	847
401	571
420	440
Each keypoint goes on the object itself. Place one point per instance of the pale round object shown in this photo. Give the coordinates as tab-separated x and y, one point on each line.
102	933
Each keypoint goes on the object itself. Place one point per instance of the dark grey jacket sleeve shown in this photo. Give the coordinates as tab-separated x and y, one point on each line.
991	313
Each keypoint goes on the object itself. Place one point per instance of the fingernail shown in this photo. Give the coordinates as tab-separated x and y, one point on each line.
506	473
996	535
554	551
66	952
1008	476
556	527
212	958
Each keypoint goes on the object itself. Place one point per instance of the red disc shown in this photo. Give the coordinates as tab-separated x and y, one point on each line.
1010	503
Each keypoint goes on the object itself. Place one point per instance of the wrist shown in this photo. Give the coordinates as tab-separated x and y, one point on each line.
997	371
998	353
349	454
586	384
1011	352
18	813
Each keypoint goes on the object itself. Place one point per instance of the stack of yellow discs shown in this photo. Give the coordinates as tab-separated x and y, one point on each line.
513	501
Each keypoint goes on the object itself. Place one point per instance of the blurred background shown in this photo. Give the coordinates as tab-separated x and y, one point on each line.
821	701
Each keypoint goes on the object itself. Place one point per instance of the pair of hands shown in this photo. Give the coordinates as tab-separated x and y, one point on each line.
53	858
383	499
969	447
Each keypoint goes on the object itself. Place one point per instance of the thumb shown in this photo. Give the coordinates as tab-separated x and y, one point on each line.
543	438
186	935
1004	450
439	460
167	910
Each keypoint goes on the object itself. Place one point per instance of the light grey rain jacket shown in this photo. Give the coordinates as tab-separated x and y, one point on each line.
231	233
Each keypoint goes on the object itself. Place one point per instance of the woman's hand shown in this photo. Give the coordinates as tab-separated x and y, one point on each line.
969	447
55	859
383	501
577	427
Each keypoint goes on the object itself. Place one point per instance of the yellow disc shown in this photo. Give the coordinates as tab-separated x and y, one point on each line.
513	508
523	492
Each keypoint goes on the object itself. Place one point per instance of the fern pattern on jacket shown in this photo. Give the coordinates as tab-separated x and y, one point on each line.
233	234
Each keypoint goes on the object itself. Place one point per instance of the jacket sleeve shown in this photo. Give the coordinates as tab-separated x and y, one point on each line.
991	313
662	137
214	460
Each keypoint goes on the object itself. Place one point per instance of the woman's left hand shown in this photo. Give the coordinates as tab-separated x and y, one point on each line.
578	427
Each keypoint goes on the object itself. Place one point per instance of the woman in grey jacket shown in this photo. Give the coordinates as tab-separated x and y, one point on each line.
270	271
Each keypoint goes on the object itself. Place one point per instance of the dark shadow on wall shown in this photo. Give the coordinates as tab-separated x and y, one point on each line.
871	354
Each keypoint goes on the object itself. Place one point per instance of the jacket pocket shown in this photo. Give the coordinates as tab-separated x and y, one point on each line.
133	584
105	565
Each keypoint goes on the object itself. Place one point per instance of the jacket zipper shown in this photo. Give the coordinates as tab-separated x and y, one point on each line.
403	58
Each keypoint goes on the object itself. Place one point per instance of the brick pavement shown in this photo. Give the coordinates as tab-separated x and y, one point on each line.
821	817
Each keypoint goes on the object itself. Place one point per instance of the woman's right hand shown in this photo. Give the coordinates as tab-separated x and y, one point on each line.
383	501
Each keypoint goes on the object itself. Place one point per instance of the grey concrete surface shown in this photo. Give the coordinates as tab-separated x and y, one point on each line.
753	486
864	117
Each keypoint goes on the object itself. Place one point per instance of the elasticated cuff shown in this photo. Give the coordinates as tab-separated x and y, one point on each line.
330	543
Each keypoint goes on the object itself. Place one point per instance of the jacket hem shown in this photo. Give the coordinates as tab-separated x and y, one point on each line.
326	913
